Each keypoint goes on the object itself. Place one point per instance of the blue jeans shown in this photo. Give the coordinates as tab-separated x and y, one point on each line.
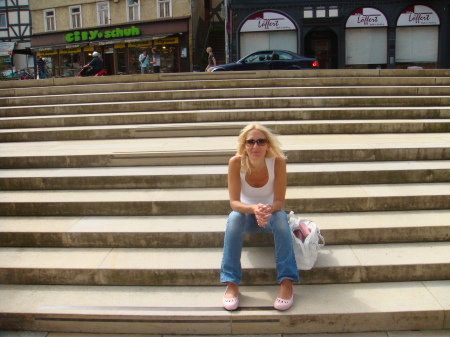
42	74
237	225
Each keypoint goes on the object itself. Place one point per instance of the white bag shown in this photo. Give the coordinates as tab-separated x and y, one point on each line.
305	251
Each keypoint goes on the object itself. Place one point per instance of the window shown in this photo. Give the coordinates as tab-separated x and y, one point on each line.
259	57
164	8
75	17
308	13
49	19
103	13
284	56
133	10
321	12
2	20
333	11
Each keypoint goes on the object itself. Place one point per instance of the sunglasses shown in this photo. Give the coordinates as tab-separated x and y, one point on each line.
252	142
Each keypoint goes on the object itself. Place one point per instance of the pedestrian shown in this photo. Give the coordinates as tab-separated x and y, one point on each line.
156	61
257	189
144	61
42	67
211	59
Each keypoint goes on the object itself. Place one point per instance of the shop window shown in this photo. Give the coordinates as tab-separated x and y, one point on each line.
3	3
2	20
417	46
366	48
133	57
75	17
133	10
169	63
164	8
50	20
70	64
103	13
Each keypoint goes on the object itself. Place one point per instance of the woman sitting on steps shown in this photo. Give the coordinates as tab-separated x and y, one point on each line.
257	188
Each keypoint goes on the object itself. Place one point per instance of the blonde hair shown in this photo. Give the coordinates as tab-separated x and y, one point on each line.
274	150
208	49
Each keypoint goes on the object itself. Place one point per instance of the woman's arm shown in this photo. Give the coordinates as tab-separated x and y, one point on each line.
279	185
234	187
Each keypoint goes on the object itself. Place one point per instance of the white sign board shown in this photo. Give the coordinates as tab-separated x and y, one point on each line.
267	21
6	48
366	17
418	16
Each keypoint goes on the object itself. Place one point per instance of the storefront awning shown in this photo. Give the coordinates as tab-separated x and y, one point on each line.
61	46
6	48
131	40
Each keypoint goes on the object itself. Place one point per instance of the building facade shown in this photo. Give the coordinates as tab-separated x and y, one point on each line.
344	34
15	33
67	32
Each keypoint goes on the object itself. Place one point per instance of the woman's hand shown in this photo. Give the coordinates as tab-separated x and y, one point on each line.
262	214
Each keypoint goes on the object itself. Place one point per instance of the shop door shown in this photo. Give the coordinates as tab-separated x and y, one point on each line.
108	63
322	44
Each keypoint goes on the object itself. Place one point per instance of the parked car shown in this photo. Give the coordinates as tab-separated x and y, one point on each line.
270	60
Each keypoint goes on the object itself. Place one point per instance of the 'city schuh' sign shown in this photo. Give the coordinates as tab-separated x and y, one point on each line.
91	35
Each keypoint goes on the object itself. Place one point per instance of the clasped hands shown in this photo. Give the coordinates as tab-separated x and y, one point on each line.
262	214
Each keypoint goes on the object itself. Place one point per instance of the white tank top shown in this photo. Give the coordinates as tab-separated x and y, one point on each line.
256	195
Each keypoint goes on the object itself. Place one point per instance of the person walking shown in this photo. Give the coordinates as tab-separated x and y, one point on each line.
42	67
145	62
156	61
211	59
257	188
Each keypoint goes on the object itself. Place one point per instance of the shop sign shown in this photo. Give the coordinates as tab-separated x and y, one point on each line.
169	40
70	50
119	45
366	17
6	48
46	52
140	44
418	16
267	21
91	35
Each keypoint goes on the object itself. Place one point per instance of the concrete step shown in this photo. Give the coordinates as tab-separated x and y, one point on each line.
198	311
202	231
439	75
227	115
214	201
226	93
223	129
218	150
299	174
421	333
201	266
226	103
221	84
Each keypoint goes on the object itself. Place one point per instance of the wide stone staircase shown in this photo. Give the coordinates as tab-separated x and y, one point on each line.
113	202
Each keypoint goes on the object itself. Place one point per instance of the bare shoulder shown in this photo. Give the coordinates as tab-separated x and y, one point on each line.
280	165
235	161
280	161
